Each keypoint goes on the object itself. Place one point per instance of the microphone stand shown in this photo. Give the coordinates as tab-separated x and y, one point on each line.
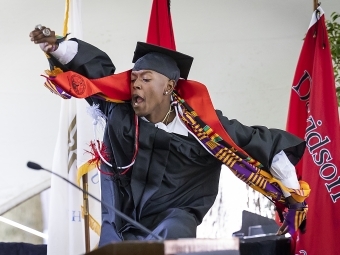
36	166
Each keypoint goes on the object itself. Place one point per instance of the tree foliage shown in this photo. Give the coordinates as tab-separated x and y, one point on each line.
333	29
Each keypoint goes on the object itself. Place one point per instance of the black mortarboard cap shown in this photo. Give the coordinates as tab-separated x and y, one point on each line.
183	61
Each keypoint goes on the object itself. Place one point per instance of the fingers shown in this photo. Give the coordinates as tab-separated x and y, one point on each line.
37	34
43	35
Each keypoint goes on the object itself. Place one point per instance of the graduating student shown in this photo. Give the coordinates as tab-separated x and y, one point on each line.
165	144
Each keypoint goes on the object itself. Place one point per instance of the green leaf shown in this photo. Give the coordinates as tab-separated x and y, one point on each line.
333	30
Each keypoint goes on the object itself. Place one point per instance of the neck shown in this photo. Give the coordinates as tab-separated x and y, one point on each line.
167	115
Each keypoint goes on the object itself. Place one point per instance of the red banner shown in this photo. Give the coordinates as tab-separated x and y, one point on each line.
160	30
313	115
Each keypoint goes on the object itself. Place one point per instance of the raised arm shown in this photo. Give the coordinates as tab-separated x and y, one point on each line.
73	55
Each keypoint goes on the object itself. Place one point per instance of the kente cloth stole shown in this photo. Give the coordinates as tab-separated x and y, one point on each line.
246	168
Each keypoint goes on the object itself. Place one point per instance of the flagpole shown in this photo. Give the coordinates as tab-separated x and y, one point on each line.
85	176
315	4
86	213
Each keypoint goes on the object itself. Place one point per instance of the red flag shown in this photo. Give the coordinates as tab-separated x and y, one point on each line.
313	115
160	26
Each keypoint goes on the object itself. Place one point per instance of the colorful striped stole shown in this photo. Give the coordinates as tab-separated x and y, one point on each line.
244	167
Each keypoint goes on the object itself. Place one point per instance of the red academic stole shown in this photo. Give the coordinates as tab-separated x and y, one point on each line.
116	88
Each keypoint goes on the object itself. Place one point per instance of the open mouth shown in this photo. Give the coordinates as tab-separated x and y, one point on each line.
136	100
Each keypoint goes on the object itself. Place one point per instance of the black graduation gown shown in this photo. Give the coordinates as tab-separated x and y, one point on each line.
174	180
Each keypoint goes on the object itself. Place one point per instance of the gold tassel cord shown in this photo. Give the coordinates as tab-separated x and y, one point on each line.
67	10
82	170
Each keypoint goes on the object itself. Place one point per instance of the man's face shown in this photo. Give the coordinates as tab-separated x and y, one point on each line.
147	93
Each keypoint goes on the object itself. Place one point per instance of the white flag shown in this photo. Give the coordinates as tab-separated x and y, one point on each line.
66	231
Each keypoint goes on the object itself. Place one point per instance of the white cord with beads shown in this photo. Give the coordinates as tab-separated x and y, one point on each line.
99	117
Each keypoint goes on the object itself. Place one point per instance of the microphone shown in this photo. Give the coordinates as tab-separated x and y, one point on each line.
33	165
36	166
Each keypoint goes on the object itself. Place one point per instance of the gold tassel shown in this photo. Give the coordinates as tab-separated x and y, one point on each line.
54	72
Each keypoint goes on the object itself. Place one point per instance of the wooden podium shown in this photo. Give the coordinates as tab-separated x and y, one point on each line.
227	246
